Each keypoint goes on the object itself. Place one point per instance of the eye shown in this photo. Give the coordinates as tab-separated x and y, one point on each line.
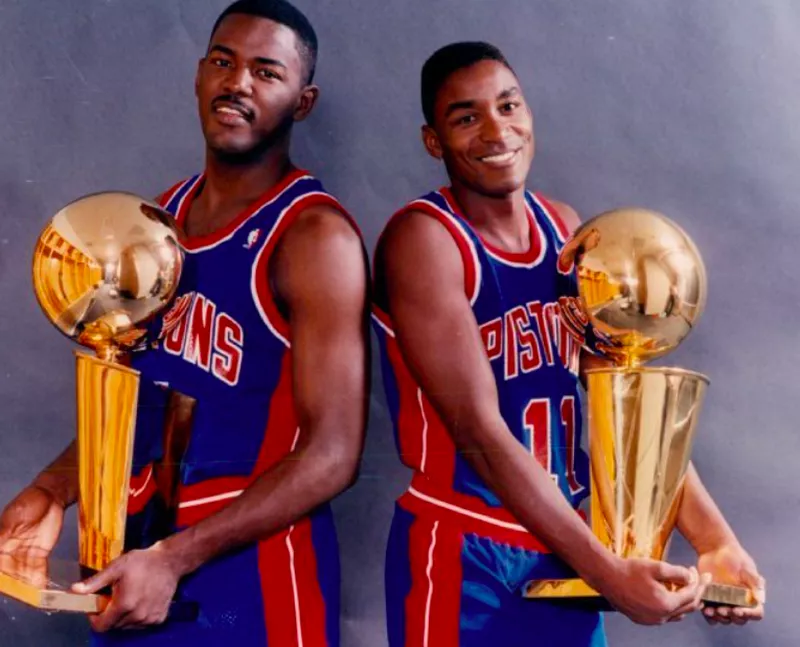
465	120
509	106
266	73
216	61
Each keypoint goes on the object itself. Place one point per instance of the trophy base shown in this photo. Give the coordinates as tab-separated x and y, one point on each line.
579	593
45	584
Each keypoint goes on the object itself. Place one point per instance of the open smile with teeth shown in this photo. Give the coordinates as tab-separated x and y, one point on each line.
230	112
500	158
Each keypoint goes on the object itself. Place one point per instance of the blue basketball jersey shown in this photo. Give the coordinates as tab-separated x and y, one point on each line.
226	344
533	354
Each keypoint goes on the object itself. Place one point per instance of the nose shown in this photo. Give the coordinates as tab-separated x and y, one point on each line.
239	81
493	130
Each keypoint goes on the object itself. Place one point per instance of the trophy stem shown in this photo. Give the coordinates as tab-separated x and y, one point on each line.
106	406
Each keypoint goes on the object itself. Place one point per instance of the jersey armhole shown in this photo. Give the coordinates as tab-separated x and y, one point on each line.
260	288
559	226
560	229
465	245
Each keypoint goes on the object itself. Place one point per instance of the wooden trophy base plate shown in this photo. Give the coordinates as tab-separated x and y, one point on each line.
44	584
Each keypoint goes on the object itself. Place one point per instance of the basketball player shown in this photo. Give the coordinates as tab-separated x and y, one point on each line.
269	334
483	386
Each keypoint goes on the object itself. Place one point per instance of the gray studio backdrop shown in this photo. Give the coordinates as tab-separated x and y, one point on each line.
688	107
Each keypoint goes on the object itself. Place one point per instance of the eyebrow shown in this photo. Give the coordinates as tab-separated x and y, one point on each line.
509	92
259	59
458	105
466	105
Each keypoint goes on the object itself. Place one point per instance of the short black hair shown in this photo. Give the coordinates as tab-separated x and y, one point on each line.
283	13
449	59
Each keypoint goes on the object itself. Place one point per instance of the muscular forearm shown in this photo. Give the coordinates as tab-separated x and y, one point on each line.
699	518
280	497
530	494
60	478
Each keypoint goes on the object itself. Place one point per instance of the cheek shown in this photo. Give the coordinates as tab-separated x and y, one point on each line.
273	106
461	147
205	92
526	126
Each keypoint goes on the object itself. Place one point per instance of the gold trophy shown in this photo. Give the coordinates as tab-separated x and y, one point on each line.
103	268
641	289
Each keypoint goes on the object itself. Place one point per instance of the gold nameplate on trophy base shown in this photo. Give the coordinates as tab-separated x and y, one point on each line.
578	590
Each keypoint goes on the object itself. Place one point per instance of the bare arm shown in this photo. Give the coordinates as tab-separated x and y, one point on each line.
31	522
60	478
699	518
720	555
320	272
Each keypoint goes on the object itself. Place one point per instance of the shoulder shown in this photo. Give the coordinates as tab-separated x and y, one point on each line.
425	221
418	255
323	224
412	235
321	249
414	223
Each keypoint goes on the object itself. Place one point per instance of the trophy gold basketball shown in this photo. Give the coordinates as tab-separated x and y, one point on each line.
103	268
641	288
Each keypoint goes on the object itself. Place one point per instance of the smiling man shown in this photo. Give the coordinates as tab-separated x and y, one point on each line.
272	345
483	384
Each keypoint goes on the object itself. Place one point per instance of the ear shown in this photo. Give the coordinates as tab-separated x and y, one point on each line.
431	141
306	103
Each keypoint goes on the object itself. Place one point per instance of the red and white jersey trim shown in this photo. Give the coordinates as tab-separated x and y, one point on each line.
559	226
259	280
197	244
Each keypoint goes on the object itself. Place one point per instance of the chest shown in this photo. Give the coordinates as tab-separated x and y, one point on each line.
518	313
219	341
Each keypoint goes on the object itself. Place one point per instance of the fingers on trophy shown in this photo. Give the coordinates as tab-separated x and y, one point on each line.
638	287
104	267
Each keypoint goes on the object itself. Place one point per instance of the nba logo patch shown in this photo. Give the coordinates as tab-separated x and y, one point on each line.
252	238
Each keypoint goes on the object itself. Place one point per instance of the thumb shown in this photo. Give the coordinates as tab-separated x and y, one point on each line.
756	583
104	578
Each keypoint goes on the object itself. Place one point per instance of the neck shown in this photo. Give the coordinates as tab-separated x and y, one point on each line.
502	218
231	181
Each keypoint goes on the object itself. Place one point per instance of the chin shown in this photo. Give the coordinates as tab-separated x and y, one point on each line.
230	146
501	187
